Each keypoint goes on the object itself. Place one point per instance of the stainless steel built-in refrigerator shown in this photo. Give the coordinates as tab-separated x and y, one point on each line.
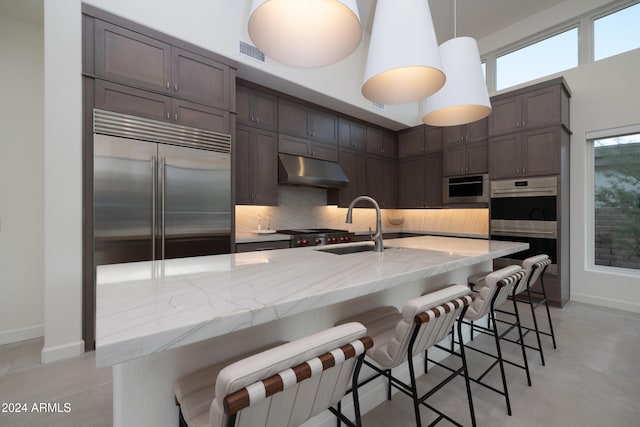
160	190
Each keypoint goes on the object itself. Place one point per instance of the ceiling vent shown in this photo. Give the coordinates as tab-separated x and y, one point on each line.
379	106
252	52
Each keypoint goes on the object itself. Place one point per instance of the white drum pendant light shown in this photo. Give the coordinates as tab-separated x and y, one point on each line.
403	64
464	97
305	33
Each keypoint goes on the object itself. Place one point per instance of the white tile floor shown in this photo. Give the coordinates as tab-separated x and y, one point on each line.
592	379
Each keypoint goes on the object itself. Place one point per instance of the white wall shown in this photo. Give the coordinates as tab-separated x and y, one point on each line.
604	95
62	180
21	180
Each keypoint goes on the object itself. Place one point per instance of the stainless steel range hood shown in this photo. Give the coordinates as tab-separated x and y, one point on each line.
298	170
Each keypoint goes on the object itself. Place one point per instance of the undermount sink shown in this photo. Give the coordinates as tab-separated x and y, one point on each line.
344	250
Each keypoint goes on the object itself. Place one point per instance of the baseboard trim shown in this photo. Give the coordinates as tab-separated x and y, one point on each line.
21	334
59	352
606	302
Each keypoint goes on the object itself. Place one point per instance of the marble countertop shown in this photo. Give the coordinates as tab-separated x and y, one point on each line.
148	307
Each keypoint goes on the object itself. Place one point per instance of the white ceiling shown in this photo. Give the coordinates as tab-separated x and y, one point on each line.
475	18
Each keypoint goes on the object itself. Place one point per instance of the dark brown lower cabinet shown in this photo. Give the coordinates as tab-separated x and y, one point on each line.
256	166
262	246
420	181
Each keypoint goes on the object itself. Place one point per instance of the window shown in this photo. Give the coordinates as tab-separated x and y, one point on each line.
617	201
548	56
617	32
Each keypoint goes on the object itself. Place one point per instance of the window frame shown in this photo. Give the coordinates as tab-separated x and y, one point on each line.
589	179
530	41
586	44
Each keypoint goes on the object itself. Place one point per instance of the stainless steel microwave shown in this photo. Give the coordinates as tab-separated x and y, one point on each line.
466	189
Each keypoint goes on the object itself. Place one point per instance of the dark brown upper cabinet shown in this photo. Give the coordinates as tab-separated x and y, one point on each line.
527	154
256	108
256	167
381	143
305	122
307	148
475	131
141	61
412	142
142	103
467	158
351	135
541	105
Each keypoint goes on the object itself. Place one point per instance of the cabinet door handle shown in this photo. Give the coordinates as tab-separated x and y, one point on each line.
517	124
168	85
257	119
524	124
168	116
175	87
175	116
524	170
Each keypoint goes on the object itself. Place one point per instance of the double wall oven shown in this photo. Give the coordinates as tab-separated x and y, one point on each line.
526	210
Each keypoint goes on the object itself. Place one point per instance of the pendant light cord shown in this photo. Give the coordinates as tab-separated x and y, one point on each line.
455	19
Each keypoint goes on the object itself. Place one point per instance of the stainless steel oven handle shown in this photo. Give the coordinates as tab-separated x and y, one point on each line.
528	190
521	232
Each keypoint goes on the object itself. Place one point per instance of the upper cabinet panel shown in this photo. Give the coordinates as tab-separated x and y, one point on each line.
132	58
139	60
200	79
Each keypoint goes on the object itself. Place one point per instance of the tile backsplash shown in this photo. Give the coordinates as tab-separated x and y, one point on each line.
305	207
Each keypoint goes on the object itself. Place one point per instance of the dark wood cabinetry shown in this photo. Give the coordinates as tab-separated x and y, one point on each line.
256	170
527	154
530	131
542	105
420	167
475	131
354	165
145	62
256	108
381	143
382	180
351	135
299	120
124	99
307	148
420	181
466	158
412	142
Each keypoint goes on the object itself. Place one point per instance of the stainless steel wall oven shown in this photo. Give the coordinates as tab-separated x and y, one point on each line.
526	210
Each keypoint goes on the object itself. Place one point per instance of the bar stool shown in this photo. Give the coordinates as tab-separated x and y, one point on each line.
398	336
282	386
534	268
492	292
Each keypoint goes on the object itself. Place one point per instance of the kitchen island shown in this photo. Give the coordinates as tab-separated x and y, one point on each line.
157	321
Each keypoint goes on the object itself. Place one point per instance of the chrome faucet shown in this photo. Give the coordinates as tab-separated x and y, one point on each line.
377	238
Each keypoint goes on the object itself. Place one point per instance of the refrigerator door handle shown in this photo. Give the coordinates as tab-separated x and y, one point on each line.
162	199
154	174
